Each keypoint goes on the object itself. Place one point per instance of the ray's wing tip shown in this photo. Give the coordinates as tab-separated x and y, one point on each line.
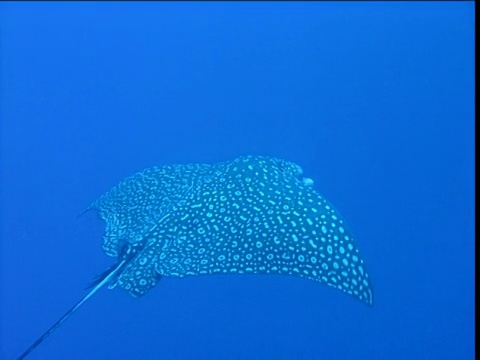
89	208
368	300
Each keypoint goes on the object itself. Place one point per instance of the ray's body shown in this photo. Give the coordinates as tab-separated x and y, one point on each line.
254	214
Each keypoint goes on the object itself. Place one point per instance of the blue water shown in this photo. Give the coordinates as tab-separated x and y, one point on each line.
374	100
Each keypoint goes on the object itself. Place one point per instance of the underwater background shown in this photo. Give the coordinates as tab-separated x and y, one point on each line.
374	100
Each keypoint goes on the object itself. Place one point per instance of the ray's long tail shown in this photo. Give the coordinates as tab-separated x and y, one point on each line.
115	270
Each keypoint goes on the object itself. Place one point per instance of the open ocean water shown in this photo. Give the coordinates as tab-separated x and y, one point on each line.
374	100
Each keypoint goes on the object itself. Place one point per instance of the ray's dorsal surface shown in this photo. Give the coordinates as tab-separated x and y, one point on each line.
251	215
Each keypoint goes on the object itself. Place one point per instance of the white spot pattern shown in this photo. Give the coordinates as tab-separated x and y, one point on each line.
250	215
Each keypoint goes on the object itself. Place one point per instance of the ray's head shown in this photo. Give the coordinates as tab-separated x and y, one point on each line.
293	170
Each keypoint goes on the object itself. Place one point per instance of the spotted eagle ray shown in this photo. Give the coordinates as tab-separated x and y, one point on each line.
251	215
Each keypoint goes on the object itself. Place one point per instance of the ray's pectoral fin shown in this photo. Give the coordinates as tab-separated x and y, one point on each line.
139	276
139	280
